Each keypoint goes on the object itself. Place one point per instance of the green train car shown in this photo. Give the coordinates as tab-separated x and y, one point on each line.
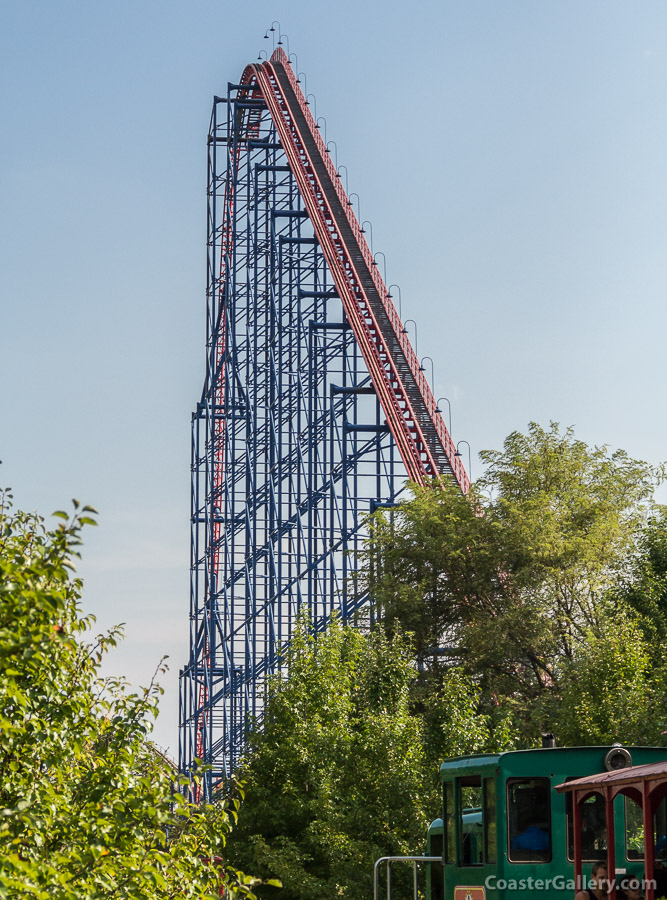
506	833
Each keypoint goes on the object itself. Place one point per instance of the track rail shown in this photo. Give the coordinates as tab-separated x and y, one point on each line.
422	438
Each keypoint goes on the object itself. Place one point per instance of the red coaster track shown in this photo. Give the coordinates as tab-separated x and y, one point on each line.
422	438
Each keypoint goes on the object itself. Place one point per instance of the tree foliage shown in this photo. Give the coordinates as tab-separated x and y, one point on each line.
609	691
345	767
88	808
644	589
334	772
515	578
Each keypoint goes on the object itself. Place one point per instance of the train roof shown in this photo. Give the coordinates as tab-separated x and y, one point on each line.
490	760
630	775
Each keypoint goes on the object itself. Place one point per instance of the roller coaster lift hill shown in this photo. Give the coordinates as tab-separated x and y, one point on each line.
314	412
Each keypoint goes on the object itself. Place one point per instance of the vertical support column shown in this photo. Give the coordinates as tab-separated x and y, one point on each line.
576	830
611	841
649	842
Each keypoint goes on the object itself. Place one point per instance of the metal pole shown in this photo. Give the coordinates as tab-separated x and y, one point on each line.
450	413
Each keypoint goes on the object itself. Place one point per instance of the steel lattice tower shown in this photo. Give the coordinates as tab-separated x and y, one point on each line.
314	410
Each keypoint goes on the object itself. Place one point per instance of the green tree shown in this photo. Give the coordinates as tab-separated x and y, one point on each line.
609	690
644	590
456	721
513	577
88	809
336	776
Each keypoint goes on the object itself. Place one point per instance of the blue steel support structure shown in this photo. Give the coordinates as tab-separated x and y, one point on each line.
291	444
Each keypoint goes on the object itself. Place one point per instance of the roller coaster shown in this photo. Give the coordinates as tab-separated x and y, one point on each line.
315	410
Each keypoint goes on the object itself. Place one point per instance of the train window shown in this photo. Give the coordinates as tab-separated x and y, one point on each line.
448	804
529	820
634	830
490	825
660	833
471	821
593	828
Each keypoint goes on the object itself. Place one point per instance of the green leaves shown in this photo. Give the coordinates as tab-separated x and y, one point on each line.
345	769
333	776
88	808
514	578
609	689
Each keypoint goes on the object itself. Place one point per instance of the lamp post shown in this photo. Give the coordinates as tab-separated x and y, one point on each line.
335	154
430	359
400	299
384	262
370	225
341	166
405	330
458	453
438	410
349	201
273	30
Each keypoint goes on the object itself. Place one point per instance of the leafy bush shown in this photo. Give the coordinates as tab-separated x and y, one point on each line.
88	808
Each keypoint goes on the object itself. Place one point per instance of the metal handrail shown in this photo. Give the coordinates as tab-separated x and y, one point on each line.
389	860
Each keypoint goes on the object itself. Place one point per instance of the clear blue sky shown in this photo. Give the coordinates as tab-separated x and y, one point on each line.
509	153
